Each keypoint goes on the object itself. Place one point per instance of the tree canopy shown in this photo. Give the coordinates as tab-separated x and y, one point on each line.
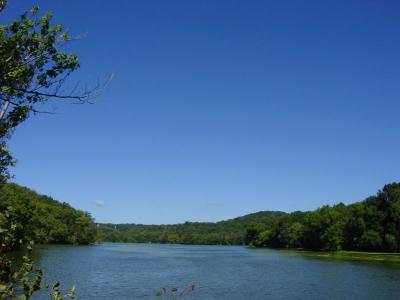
229	232
34	67
41	219
370	225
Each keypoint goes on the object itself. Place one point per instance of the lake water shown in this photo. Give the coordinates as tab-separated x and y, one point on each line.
137	271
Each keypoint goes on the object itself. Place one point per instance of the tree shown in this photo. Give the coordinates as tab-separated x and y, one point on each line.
33	69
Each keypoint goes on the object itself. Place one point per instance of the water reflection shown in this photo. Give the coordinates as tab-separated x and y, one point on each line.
136	271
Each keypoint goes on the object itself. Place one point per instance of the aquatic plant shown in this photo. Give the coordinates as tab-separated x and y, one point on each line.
174	293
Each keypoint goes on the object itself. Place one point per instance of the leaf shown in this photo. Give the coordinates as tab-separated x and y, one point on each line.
34	9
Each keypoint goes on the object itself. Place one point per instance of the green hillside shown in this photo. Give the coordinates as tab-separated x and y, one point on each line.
229	232
369	225
42	219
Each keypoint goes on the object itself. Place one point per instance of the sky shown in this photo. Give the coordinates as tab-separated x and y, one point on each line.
219	108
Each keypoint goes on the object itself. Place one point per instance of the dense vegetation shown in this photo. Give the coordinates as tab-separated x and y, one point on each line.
230	232
370	225
42	219
34	65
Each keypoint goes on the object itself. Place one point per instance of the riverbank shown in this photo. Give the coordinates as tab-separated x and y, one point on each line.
348	255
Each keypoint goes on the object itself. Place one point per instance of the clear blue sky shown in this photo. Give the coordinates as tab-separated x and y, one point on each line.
220	108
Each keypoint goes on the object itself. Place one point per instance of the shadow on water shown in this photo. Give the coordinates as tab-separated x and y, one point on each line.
37	253
16	256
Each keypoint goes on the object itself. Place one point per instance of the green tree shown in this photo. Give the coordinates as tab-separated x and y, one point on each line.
355	226
295	234
370	241
33	69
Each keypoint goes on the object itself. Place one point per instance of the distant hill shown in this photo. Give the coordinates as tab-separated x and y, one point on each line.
229	232
369	225
42	219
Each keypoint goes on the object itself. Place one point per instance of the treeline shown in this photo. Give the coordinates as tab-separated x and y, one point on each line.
370	225
33	217
230	232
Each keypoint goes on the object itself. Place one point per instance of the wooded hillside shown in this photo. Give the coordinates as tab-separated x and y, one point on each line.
42	219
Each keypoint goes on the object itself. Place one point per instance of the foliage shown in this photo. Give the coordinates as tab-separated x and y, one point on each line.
230	232
370	225
33	68
42	219
20	283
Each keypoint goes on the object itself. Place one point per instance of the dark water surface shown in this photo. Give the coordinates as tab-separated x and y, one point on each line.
137	271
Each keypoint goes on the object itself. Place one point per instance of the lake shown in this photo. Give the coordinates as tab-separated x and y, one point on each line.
136	271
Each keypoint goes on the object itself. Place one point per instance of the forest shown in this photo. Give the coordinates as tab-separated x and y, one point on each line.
230	232
41	219
369	225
